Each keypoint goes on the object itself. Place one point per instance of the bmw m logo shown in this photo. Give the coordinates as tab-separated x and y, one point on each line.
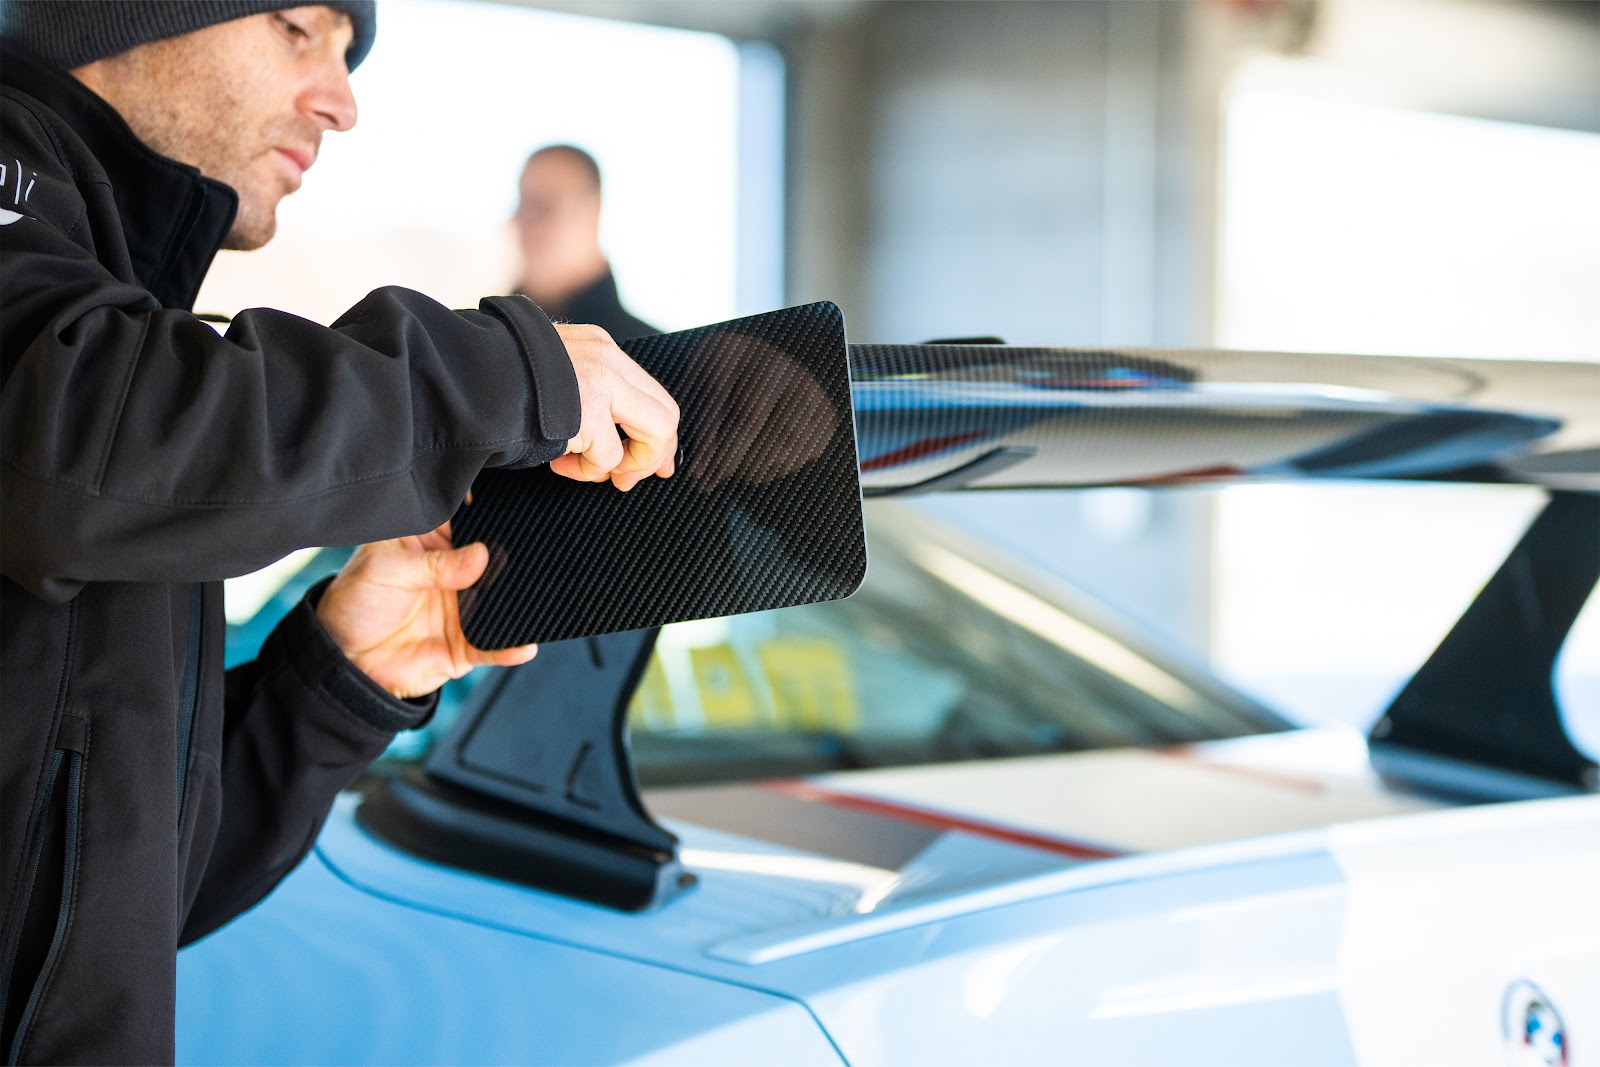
1534	1033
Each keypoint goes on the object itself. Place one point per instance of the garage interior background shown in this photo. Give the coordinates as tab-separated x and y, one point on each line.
1391	176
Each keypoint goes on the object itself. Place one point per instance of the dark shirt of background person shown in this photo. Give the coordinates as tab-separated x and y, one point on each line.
558	230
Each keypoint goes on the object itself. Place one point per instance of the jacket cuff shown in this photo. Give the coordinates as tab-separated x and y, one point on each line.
317	658
557	406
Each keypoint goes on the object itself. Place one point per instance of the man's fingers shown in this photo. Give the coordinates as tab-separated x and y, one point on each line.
591	457
449	568
641	380
652	430
438	537
636	467
616	392
501	657
603	456
649	448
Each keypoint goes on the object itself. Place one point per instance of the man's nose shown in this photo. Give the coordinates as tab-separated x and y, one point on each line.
330	101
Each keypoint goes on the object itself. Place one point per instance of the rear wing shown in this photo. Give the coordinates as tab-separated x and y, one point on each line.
989	416
534	782
1480	719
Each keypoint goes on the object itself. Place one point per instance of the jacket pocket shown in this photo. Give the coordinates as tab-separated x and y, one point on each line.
49	882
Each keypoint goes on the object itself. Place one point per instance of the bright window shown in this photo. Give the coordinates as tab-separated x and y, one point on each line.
452	100
1363	228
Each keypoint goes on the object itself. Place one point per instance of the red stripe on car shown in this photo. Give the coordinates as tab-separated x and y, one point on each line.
874	806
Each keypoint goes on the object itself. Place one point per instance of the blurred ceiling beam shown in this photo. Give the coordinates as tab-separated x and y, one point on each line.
1510	60
739	19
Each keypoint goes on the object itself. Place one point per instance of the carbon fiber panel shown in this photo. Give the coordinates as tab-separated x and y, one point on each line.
764	512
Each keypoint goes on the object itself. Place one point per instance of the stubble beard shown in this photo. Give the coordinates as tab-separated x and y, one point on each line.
188	122
238	158
255	223
258	180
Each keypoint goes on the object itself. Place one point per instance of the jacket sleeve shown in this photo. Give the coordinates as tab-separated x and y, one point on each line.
136	444
301	723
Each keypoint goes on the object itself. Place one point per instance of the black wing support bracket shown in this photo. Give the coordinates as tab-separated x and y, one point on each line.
1480	718
534	784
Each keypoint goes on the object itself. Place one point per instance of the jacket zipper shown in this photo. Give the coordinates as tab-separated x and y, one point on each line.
69	878
41	813
191	697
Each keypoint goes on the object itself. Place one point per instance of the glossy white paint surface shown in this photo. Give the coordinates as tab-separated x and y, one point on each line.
1444	913
1375	941
1141	800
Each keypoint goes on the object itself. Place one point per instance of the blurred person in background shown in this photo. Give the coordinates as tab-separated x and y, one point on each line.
558	230
147	797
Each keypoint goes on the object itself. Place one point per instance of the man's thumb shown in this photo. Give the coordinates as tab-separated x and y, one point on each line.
456	568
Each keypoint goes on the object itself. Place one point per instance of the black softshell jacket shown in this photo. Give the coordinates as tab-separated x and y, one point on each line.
147	798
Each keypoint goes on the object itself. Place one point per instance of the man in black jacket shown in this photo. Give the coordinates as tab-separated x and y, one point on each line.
147	798
564	270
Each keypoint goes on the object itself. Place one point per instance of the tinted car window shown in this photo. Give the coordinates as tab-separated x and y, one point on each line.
944	654
938	657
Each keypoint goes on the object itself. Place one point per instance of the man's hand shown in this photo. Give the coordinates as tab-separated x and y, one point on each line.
615	393
392	611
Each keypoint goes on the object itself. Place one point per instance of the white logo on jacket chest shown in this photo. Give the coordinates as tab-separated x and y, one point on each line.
16	185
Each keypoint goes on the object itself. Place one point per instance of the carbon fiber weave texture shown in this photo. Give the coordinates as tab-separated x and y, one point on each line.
764	512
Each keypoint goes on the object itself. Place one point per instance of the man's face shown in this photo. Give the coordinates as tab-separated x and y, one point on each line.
558	221
246	101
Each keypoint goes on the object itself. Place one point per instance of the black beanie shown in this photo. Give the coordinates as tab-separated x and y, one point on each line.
71	33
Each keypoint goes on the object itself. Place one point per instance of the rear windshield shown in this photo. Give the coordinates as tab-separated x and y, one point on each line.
936	658
940	656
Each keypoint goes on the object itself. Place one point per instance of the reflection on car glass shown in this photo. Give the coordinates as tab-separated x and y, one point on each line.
915	668
912	669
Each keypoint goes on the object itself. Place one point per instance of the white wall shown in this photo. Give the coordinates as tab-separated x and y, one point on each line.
1354	219
1026	170
453	98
